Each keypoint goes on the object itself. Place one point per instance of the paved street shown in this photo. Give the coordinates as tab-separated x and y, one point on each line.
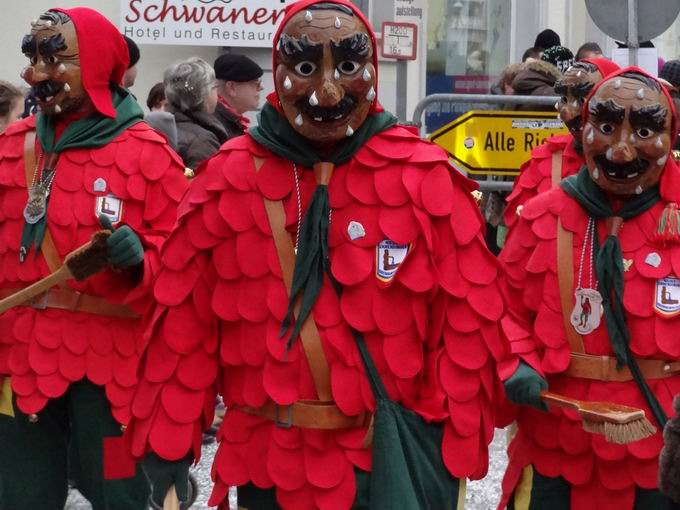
481	495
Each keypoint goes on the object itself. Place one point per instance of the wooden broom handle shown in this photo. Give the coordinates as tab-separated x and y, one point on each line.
560	400
60	275
171	501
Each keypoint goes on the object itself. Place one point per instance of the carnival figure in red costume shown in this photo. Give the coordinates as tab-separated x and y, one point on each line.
70	356
368	205
562	155
609	233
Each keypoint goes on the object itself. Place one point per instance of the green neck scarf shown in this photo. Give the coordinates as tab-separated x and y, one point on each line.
93	131
276	134
609	269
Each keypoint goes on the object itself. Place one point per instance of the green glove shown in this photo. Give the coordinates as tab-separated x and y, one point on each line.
124	247
162	474
525	386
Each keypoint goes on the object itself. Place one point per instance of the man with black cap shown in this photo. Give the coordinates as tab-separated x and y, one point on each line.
131	73
240	84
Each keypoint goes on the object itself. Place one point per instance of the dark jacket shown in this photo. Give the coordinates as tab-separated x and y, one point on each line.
199	135
536	79
229	121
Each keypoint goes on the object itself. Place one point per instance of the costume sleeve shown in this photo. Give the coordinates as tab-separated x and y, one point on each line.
175	396
463	344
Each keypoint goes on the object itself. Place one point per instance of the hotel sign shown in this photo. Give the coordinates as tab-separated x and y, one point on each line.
250	23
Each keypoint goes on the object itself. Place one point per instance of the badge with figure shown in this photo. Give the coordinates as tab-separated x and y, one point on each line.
587	311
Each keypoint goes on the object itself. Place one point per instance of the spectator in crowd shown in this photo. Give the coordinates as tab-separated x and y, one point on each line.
537	77
504	84
589	50
11	104
670	76
191	91
131	74
547	39
239	82
532	54
156	101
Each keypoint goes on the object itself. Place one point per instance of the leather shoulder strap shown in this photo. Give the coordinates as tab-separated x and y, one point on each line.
556	170
311	341
47	248
565	277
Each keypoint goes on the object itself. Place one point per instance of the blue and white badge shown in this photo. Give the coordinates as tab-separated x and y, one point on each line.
110	206
389	256
667	301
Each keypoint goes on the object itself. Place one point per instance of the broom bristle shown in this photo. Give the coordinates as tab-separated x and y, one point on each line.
621	433
91	260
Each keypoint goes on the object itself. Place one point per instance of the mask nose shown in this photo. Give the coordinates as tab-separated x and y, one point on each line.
329	94
34	74
623	151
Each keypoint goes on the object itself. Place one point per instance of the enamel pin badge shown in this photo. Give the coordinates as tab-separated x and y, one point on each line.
110	206
587	311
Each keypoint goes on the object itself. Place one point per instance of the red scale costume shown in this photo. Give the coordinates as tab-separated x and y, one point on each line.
432	329
72	354
602	475
44	351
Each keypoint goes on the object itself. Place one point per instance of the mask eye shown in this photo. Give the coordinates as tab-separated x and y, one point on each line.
644	132
34	60
606	128
581	100
564	99
51	60
305	68
348	67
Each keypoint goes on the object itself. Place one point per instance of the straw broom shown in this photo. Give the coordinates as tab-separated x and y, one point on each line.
618	423
80	264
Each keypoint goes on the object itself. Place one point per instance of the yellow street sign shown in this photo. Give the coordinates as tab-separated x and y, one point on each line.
489	142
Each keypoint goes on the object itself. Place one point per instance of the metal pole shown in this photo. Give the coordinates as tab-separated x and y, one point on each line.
402	73
633	43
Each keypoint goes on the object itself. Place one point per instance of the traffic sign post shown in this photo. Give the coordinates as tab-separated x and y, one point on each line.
487	142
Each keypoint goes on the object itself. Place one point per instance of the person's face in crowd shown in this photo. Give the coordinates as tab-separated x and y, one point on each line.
54	69
627	138
160	106
130	77
590	54
211	100
573	90
243	96
324	74
14	114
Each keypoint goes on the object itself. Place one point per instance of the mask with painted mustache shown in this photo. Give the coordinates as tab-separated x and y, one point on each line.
621	171
324	114
44	89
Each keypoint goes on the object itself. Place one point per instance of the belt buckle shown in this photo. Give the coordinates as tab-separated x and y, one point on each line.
289	419
40	301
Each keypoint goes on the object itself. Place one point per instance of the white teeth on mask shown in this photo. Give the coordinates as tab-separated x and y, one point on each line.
67	87
366	76
336	75
371	94
61	68
658	143
596	173
57	109
287	84
308	16
350	131
557	105
298	120
338	117
617	84
313	101
630	176
638	190
590	137
318	119
49	98
609	154
661	161
338	23
640	94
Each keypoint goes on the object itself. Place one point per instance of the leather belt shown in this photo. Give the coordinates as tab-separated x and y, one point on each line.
310	414
603	368
74	301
